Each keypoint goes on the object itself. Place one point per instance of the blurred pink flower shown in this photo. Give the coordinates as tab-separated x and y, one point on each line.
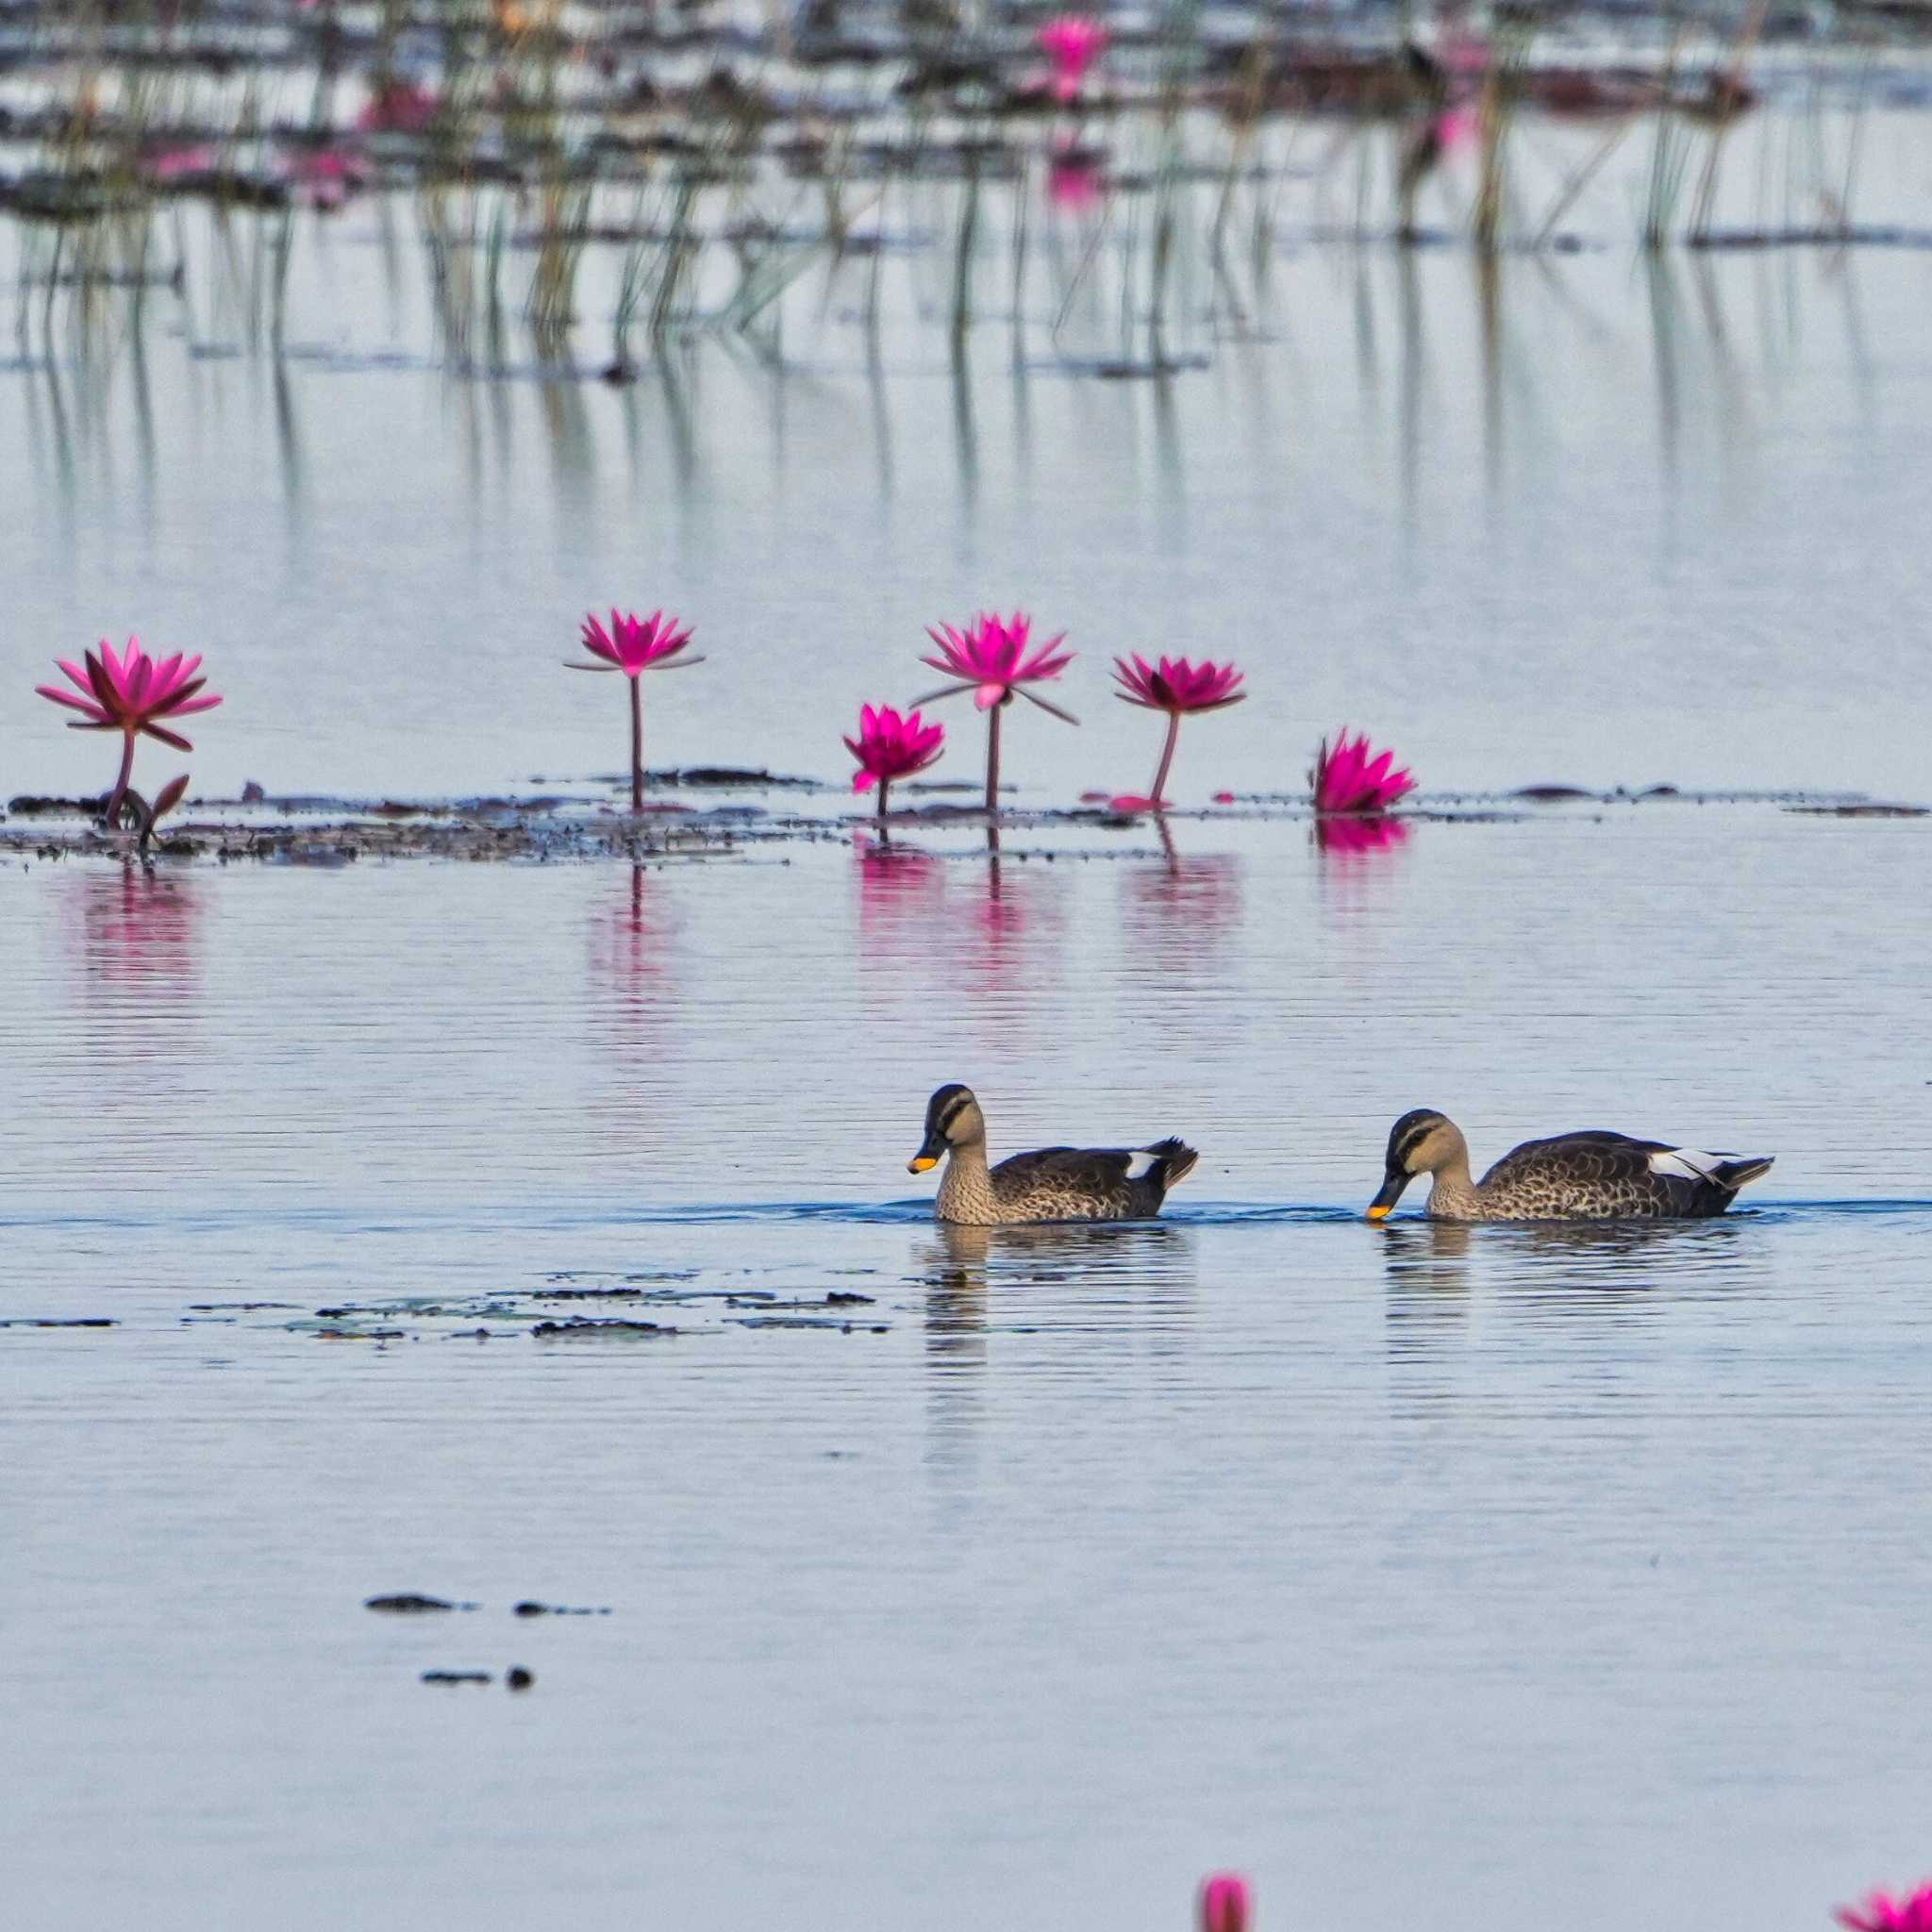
397	106
1073	42
326	177
1226	1903
1348	777
633	645
1223	798
1075	183
993	659
1883	1913
181	163
889	746
1177	687
128	693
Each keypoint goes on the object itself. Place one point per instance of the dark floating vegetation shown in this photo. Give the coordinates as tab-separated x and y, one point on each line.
410	1604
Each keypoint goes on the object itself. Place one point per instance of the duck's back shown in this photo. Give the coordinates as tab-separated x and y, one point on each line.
1596	1174
1089	1183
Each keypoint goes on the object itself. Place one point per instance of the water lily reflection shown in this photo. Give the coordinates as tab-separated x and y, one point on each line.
1178	905
1352	837
139	932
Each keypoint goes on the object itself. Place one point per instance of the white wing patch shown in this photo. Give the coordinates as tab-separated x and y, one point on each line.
1688	1164
1140	1163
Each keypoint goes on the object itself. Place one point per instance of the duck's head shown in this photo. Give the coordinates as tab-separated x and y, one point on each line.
953	1119
1423	1141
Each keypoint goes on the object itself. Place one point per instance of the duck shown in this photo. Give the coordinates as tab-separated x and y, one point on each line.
1051	1184
1589	1175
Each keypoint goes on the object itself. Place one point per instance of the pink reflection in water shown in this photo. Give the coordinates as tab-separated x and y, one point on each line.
1180	905
1367	833
1074	181
139	932
900	891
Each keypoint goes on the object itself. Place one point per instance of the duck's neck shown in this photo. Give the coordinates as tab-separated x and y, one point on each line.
1454	1196
966	1187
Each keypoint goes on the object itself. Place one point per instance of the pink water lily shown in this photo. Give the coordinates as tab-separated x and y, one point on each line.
1348	777
128	693
994	659
1073	42
397	106
889	746
633	645
1177	687
1881	1912
1226	1903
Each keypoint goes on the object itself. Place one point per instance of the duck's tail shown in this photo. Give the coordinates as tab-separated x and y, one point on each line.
1176	1161
1741	1170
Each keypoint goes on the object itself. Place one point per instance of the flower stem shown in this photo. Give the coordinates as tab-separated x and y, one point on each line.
119	790
885	786
993	756
1174	732
637	746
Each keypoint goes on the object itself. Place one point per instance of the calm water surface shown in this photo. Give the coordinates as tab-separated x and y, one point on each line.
1427	1574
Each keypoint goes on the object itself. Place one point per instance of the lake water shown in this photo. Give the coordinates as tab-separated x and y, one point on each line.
1428	1575
1445	1569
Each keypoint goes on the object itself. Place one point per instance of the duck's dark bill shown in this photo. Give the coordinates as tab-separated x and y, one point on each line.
1391	1193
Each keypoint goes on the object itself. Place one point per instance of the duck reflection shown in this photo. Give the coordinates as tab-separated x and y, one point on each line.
1426	1263
1549	1271
1117	1283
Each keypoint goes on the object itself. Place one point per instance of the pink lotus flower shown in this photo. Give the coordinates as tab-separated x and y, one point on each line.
128	693
633	645
1177	687
397	106
1883	1913
1072	42
992	659
1348	778
1226	1903
889	746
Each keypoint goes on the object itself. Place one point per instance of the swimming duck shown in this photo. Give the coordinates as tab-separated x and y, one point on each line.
1054	1184
1591	1175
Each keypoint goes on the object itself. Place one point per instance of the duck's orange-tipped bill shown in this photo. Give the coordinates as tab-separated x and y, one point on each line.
920	1162
1392	1185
